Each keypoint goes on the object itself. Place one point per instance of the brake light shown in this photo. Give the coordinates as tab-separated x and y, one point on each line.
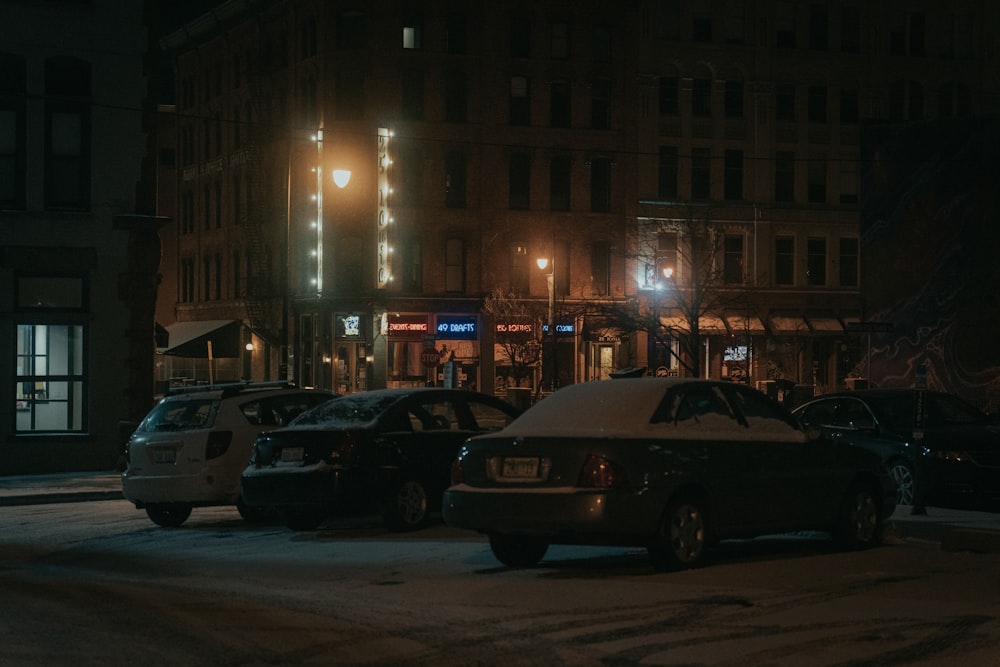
601	473
218	444
457	472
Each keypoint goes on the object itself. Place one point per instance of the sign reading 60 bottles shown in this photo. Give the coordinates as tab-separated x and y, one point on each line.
383	268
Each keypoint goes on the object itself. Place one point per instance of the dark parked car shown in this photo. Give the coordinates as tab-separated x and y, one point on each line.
670	464
387	449
937	447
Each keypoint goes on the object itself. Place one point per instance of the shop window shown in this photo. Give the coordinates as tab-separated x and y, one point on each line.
784	260
51	386
413	29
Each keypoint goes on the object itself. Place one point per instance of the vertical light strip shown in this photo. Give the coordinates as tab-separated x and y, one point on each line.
319	212
383	216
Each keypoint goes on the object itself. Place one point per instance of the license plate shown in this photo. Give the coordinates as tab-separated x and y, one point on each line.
516	467
291	454
164	455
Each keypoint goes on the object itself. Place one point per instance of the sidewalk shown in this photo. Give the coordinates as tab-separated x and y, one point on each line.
955	530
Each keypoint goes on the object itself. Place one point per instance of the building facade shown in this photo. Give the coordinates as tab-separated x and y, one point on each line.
78	233
691	174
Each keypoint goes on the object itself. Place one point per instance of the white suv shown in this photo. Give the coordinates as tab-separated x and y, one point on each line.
191	448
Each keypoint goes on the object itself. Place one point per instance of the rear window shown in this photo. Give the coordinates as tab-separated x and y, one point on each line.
184	415
354	410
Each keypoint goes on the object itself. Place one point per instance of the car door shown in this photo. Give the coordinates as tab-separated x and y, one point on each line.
439	425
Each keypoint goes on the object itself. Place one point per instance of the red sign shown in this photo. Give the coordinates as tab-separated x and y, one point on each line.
430	357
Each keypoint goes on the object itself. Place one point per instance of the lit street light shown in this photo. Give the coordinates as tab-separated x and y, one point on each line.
543	262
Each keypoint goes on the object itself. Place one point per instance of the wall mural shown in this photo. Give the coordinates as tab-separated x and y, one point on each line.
931	255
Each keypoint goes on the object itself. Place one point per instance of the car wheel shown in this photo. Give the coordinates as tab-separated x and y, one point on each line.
255	513
680	543
859	525
302	519
901	473
406	508
168	516
517	551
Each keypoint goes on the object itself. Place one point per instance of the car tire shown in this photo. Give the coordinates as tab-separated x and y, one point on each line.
406	508
680	543
859	525
302	520
518	551
255	513
903	476
168	515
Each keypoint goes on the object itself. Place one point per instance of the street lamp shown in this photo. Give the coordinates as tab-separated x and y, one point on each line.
550	280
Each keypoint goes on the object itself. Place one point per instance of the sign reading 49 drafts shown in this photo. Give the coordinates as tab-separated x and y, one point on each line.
383	267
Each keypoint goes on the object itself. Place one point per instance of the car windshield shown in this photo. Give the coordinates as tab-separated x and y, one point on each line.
352	410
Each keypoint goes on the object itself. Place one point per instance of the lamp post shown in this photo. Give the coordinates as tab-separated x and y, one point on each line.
550	279
668	274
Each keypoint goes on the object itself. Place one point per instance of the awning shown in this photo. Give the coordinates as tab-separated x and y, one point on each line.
708	325
788	324
825	324
190	339
741	325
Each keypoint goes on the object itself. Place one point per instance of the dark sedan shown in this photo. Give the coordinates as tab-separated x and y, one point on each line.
389	450
673	465
937	447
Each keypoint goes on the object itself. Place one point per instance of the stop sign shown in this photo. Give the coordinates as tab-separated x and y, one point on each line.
430	357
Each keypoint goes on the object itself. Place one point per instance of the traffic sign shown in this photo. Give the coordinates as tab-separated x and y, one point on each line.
430	357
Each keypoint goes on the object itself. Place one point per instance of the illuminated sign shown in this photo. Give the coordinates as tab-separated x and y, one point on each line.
735	353
462	327
348	326
407	326
561	328
515	328
383	215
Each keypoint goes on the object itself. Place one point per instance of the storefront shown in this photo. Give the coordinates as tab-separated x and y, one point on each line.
439	350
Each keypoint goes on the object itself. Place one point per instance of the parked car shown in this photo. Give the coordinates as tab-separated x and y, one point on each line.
936	446
387	450
674	465
191	448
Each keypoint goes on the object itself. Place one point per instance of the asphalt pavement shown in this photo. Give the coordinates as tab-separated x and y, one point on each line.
954	529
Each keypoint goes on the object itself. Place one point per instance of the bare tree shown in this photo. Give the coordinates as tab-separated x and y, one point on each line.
517	334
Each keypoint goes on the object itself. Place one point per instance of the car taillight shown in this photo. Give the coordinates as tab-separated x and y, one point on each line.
600	473
457	472
218	444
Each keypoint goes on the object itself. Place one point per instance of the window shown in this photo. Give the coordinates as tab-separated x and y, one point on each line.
666	257
218	276
237	194
784	101
350	30
600	43
410	168
413	95
784	25
456	33
954	100
954	35
816	261
701	26
67	134
600	185
816	185
520	38
701	173
520	270
848	179
784	176
819	28
850	29
667	173
455	179
187	281
559	104
701	97
456	95
669	95
849	105
600	104
237	276
206	278
732	273
667	21
733	187
206	208
560	41
848	262
13	95
218	204
600	268
520	102
454	265
817	104
784	260
413	29
734	99
50	393
411	266
559	183
519	181
906	101
187	212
